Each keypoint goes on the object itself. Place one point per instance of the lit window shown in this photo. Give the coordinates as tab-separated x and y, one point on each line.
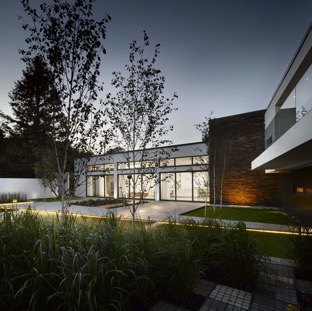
184	161
200	160
167	162
304	191
137	164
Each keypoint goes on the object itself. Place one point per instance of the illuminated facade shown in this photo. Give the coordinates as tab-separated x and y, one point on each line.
288	135
174	173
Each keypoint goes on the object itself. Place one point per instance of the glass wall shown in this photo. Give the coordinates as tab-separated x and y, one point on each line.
144	186
183	161
197	160
167	188
137	164
101	167
201	186
298	103
100	186
185	186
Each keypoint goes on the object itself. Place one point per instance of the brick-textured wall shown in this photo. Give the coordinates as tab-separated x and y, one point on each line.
236	141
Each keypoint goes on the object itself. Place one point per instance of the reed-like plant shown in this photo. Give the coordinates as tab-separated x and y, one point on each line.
71	264
236	259
300	251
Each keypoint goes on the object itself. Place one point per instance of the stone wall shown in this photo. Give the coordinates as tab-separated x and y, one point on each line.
234	142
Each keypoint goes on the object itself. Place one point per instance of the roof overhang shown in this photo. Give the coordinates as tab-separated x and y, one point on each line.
293	150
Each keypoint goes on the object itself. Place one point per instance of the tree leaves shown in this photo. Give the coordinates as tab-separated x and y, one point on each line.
69	40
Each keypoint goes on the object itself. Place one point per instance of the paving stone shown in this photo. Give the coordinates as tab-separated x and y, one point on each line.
261	303
165	306
284	281
283	270
287	295
213	305
275	290
232	296
303	286
232	308
204	287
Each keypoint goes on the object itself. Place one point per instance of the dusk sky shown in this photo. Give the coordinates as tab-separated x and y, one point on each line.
225	56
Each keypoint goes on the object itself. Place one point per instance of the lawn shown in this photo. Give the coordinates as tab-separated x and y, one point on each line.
243	214
274	245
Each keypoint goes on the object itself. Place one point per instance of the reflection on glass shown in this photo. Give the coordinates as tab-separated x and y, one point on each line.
167	186
141	186
201	186
167	162
200	160
304	94
184	186
295	107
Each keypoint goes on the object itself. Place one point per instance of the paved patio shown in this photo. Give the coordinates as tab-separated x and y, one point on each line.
155	211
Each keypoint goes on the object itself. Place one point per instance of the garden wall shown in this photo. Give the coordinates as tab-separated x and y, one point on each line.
234	142
29	186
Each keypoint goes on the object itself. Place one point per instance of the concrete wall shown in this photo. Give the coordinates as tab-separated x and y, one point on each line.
296	204
236	141
29	186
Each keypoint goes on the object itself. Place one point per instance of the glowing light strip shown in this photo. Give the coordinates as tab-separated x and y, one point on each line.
165	222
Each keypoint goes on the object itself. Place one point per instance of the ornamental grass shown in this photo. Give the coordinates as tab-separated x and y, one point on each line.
75	264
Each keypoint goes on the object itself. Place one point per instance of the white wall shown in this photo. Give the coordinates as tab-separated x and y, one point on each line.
29	186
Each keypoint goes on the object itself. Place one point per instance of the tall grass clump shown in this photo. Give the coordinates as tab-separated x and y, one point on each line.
301	250
177	264
230	254
75	264
236	258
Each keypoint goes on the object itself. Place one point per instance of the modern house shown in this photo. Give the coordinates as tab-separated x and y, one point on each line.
257	158
288	135
190	172
172	173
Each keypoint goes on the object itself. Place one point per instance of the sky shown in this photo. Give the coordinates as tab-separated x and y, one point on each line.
221	56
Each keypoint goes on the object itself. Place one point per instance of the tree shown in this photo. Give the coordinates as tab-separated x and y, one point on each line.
36	107
68	40
204	129
218	141
138	115
35	104
16	160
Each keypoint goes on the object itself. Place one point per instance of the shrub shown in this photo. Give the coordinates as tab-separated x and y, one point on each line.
301	250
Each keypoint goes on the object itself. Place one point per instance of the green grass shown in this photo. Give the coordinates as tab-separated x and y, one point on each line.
243	214
273	244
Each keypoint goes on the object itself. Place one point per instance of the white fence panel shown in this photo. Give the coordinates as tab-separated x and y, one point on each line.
29	186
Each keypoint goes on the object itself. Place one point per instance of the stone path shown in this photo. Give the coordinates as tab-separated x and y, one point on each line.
276	290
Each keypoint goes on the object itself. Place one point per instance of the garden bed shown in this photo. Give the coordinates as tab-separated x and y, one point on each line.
107	265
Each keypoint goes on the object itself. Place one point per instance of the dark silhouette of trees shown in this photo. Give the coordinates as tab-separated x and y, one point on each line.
35	104
68	39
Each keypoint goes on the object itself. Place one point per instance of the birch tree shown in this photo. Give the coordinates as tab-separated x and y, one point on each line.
70	42
138	115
